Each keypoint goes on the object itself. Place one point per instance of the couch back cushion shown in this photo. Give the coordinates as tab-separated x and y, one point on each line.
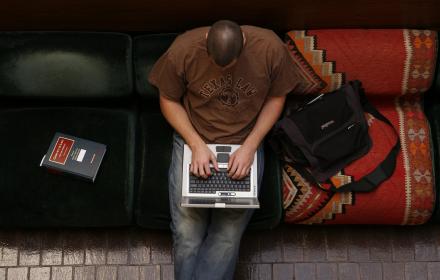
65	64
147	50
436	86
389	62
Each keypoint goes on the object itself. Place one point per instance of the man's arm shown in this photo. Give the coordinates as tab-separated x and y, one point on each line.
241	161
176	115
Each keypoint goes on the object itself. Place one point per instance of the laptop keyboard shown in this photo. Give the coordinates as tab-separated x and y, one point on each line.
218	181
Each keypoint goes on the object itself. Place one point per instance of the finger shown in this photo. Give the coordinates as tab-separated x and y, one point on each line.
241	173
201	171
244	173
207	169
195	169
237	174
233	169
214	162
231	161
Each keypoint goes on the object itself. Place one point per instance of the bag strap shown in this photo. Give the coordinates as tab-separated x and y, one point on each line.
386	168
309	177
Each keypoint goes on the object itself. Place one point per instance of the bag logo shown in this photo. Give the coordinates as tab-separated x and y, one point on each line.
327	124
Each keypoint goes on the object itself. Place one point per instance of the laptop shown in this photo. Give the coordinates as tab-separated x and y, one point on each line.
219	190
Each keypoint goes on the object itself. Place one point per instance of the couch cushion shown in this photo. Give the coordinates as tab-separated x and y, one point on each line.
30	196
389	62
65	64
147	50
152	203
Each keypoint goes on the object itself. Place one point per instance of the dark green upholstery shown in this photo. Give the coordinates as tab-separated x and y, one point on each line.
61	82
152	204
432	110
147	49
65	64
32	196
433	113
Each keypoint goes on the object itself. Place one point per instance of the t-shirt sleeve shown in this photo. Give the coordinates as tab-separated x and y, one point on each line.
168	77
286	76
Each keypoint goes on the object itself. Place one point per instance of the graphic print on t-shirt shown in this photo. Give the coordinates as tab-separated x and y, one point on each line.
226	91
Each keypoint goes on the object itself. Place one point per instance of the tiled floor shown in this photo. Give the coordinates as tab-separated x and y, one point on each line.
288	252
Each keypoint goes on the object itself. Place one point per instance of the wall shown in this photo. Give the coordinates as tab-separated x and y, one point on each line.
169	15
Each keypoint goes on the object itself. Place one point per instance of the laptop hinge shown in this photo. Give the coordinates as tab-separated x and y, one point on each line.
219	205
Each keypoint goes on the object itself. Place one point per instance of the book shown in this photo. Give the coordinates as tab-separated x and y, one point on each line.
74	155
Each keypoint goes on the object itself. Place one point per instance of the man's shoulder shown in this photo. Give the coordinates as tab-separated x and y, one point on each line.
188	42
192	37
262	40
260	32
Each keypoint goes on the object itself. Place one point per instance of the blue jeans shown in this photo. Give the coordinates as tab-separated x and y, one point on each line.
206	241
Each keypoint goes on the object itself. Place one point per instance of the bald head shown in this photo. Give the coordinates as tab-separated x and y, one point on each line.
224	42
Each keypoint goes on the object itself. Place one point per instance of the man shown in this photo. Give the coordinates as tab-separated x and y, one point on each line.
223	84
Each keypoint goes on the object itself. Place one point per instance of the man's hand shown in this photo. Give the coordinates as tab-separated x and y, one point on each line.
201	157
240	162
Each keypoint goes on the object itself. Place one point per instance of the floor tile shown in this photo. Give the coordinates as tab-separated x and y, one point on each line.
139	252
326	271
348	271
416	271
393	271
283	271
18	273
370	271
271	246
84	273
39	273
52	248
150	272
402	243
106	273
261	271
314	245
73	247
62	273
336	243
128	273
96	247
305	271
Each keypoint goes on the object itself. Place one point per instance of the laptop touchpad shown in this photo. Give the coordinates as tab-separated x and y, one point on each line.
222	158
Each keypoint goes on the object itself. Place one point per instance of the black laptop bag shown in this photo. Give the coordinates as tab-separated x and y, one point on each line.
327	133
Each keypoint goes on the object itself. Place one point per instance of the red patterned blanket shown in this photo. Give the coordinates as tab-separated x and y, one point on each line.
395	67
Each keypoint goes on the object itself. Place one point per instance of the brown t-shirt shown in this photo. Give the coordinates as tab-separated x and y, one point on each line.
223	105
